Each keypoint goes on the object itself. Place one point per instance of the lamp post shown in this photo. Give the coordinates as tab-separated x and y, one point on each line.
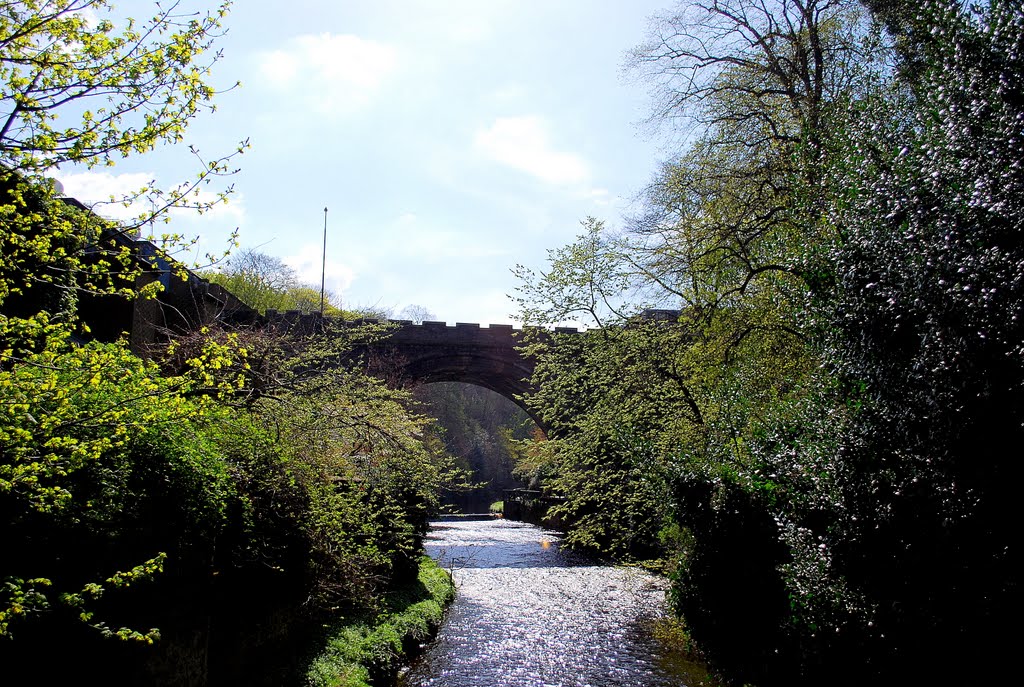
323	266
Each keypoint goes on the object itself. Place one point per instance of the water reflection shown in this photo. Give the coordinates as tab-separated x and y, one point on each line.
529	613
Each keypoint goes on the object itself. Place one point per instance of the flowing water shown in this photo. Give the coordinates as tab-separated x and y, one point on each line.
530	614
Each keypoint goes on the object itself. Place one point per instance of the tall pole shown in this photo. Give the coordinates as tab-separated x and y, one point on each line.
323	266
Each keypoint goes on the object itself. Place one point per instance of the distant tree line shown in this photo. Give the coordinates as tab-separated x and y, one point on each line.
264	282
480	429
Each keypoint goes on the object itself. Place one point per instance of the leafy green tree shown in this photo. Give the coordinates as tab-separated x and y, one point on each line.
82	89
587	282
84	86
92	437
361	482
843	249
146	79
733	409
609	398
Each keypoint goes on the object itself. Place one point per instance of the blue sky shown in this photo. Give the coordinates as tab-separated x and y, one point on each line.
450	140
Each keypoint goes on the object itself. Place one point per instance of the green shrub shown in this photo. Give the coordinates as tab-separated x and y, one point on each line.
361	652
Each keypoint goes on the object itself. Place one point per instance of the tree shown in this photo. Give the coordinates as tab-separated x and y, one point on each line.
418	314
55	62
92	437
733	408
758	88
587	282
843	238
264	282
83	86
926	320
82	422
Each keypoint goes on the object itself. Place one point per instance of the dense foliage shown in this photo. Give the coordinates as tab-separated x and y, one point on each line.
830	413
478	428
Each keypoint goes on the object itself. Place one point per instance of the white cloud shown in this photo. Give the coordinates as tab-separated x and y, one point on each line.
599	196
509	93
330	72
308	262
105	194
412	238
522	143
464	27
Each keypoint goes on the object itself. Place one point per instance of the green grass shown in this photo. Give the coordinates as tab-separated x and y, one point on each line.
363	653
497	507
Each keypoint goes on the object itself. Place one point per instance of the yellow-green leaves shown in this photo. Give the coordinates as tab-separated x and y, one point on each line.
90	434
147	82
62	410
81	84
22	597
92	592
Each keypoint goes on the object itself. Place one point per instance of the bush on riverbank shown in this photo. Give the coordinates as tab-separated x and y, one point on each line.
149	506
364	651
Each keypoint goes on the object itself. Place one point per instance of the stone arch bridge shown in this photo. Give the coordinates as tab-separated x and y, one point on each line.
426	352
431	351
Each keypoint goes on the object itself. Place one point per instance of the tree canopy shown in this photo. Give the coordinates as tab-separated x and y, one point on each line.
264	282
84	85
840	239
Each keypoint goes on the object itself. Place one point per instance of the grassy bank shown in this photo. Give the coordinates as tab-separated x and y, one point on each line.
369	651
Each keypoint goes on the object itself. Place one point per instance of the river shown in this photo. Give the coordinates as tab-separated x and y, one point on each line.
533	615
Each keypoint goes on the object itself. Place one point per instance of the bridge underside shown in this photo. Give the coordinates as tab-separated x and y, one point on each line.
468	353
495	370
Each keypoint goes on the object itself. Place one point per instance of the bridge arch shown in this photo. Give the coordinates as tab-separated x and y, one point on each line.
468	353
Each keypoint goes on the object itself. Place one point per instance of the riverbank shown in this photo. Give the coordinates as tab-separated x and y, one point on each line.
358	653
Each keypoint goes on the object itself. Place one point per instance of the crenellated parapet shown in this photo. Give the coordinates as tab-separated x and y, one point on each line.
311	322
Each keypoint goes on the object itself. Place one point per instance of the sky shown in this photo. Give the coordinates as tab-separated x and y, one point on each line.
450	141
